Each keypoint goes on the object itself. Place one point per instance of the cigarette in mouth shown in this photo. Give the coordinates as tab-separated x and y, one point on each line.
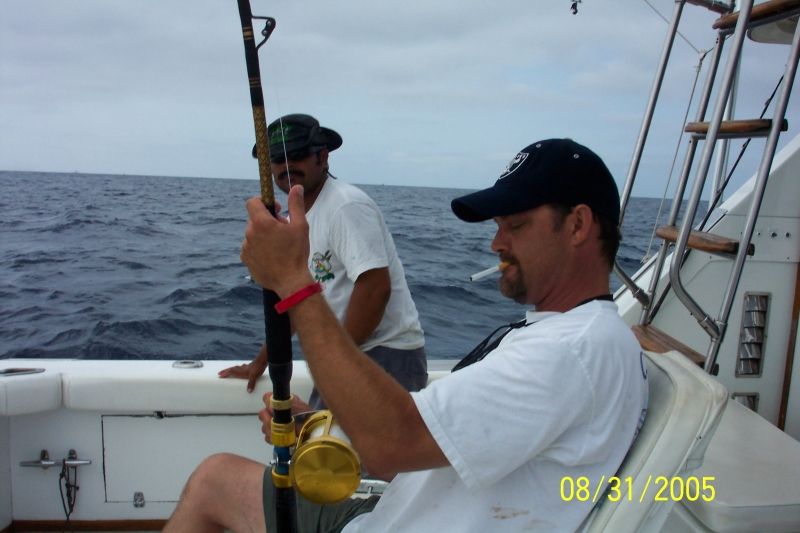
488	272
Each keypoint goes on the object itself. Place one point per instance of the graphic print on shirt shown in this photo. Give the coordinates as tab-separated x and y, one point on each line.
323	271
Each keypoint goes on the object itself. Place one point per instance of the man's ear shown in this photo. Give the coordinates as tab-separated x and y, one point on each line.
582	223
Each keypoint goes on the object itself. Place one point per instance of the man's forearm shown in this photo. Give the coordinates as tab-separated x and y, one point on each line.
375	411
367	304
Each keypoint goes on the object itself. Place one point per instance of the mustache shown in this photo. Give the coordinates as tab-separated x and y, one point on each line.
290	172
511	260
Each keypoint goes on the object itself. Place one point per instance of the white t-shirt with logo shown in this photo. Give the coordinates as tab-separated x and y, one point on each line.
560	398
348	237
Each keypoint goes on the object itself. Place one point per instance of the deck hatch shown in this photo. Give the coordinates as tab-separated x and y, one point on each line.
155	454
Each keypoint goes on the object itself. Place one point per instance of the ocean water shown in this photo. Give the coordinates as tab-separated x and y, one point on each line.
145	267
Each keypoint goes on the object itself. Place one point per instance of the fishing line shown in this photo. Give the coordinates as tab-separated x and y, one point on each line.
667	21
283	143
698	68
278	108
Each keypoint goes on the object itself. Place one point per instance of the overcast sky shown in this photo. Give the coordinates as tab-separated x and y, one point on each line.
434	93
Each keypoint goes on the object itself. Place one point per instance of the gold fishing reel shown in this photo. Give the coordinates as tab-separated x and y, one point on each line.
325	468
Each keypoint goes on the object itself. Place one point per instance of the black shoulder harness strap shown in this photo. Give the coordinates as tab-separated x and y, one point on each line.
489	343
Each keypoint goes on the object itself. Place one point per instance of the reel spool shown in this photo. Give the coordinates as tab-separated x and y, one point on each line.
325	468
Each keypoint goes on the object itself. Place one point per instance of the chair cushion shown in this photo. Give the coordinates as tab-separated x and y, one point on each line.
756	468
684	409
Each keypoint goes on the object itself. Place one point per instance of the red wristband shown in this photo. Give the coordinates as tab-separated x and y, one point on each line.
294	299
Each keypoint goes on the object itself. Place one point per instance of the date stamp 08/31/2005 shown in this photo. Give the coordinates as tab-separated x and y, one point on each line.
659	488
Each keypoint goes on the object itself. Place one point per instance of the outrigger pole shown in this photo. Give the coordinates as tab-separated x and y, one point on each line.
279	345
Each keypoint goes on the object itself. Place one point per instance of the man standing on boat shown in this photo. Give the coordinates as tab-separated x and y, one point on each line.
485	448
352	255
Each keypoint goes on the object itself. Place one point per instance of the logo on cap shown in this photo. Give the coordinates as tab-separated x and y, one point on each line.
280	134
514	164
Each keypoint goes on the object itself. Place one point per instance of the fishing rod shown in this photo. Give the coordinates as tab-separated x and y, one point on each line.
278	330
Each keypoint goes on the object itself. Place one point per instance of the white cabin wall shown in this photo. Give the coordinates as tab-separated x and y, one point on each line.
705	277
772	270
5	474
770	278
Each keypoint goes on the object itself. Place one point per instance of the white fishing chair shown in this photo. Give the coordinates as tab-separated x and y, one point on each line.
684	409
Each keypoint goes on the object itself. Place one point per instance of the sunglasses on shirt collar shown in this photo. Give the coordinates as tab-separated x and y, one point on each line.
295	155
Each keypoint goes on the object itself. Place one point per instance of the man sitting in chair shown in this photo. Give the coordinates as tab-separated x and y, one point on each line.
559	395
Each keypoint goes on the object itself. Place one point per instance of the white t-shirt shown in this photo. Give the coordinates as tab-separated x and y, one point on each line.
559	398
348	236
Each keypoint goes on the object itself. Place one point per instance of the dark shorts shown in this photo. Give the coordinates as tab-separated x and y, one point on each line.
408	367
312	517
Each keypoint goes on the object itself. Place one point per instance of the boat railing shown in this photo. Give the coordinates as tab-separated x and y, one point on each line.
732	27
645	296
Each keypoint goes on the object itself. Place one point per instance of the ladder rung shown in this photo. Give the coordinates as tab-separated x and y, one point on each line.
706	242
764	12
736	128
653	339
712	5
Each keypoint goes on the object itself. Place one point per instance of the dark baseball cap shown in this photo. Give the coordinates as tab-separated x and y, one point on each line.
295	132
553	171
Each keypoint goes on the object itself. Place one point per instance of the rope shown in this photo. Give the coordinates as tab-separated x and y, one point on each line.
70	487
718	193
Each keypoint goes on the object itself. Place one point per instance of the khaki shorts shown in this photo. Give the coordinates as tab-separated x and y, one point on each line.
408	367
312	517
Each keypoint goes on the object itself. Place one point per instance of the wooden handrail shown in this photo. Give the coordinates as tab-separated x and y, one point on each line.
752	128
653	339
703	241
761	13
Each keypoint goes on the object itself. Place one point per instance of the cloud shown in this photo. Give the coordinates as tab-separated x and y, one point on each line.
445	91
